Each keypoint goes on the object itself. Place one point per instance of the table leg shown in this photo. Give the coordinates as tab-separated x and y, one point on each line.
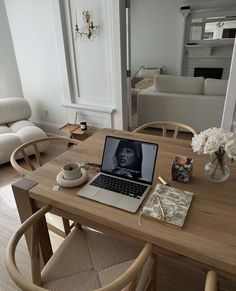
66	225
26	208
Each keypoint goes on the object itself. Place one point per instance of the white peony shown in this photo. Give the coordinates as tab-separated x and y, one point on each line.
222	136
198	142
211	131
230	149
214	140
212	145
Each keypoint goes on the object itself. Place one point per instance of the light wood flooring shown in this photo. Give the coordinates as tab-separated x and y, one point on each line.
172	274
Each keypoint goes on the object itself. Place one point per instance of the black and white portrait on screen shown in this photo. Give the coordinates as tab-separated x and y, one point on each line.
129	158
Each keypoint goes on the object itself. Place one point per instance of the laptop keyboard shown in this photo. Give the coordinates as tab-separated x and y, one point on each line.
120	186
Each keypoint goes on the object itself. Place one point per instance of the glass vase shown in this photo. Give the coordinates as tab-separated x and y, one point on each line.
216	170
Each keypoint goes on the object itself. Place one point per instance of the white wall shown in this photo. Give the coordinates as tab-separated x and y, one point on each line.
156	34
96	92
10	84
40	53
91	55
33	33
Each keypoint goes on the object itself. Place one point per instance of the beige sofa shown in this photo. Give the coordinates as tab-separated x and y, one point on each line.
15	128
190	100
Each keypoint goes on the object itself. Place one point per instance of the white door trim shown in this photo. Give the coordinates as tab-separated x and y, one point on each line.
230	98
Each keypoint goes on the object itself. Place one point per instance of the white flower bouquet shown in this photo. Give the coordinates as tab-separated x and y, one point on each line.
213	140
216	142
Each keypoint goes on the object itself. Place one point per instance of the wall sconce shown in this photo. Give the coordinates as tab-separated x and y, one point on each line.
91	29
184	10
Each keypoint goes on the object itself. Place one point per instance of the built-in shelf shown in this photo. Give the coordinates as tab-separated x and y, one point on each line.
210	43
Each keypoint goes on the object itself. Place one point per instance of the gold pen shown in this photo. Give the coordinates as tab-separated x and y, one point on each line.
161	207
162	180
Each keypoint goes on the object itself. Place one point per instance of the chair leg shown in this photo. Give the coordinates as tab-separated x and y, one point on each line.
152	286
66	225
35	255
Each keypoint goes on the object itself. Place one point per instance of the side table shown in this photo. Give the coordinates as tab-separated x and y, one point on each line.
75	131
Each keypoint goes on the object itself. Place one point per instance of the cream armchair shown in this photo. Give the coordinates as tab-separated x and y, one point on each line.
15	128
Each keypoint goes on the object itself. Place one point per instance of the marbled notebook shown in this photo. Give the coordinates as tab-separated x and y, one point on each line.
168	204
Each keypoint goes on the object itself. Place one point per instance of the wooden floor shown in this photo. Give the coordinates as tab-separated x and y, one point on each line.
172	274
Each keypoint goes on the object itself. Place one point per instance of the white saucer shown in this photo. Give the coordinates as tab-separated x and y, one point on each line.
72	183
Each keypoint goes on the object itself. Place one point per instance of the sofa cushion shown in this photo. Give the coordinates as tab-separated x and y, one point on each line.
4	129
14	109
16	126
200	111
178	84
29	133
215	87
9	142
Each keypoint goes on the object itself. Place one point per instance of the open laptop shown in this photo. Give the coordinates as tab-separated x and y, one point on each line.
126	174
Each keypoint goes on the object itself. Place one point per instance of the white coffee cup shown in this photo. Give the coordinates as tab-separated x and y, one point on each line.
71	171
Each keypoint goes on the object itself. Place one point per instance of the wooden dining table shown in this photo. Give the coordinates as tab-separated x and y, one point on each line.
208	237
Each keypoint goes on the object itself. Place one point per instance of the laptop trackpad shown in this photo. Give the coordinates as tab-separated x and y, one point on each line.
108	197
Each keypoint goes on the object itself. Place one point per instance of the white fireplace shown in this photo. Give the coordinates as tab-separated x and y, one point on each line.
213	55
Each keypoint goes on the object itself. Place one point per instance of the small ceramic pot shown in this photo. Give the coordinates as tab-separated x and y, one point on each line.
71	171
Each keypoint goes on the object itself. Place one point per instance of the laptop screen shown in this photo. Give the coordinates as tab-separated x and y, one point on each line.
131	159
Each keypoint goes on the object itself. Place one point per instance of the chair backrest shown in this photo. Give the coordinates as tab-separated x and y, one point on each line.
211	281
34	148
164	125
128	278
